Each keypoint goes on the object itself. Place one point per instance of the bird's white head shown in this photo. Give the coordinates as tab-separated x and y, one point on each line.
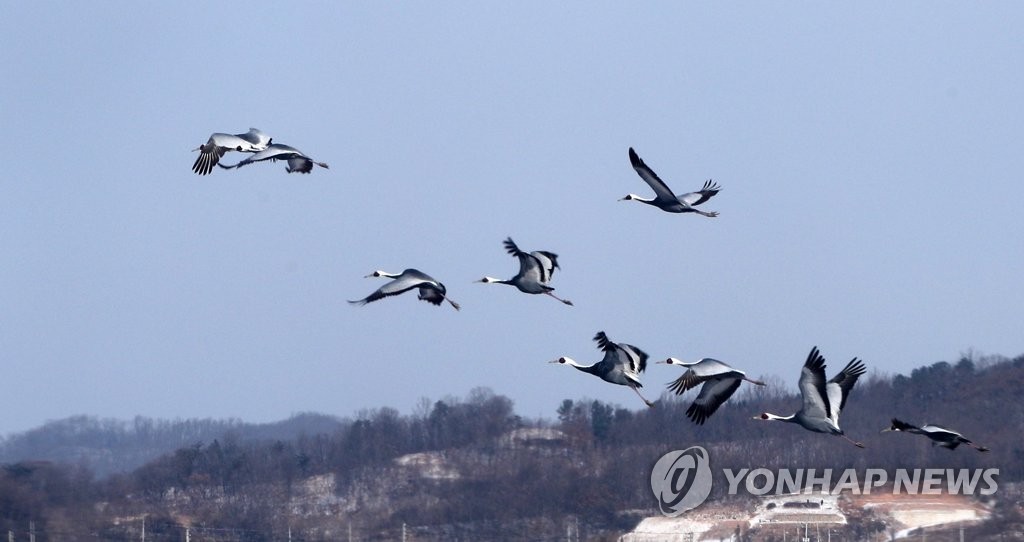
489	280
768	416
671	361
564	360
379	273
628	197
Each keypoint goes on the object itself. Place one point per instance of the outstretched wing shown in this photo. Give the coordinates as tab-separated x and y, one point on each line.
633	359
274	152
209	155
530	267
812	386
650	177
397	286
629	358
840	385
696	198
713	394
699	372
548	262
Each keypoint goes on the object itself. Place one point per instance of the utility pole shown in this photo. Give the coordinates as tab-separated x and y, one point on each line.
31	531
187	535
403	532
143	528
350	531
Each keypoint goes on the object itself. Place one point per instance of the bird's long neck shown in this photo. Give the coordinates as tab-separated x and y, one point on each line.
775	417
492	280
585	368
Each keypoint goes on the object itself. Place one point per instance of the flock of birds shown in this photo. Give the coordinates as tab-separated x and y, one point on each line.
622	364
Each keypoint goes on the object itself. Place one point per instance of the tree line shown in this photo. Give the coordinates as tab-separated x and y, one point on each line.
588	467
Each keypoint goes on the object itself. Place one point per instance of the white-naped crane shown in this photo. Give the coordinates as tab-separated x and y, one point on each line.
940	436
622	364
823	401
535	271
430	289
664	198
718	381
297	161
213	150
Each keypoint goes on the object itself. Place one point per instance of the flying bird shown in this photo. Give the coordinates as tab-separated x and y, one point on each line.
213	150
718	382
664	199
947	438
297	161
622	364
430	289
535	271
822	400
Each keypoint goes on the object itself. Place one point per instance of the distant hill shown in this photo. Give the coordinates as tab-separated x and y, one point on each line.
108	446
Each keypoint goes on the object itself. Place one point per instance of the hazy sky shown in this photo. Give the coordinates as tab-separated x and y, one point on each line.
870	157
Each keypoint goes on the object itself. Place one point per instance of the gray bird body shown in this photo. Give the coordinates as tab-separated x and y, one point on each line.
718	381
940	436
535	271
822	401
430	289
297	161
664	198
622	364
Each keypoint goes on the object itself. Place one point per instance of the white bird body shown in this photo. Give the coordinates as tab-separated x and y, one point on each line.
622	364
214	149
822	401
430	289
947	438
535	271
718	382
297	161
664	198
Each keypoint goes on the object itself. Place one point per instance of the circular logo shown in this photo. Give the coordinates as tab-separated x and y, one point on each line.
681	480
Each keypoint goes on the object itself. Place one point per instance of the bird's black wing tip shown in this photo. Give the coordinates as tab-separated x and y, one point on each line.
634	158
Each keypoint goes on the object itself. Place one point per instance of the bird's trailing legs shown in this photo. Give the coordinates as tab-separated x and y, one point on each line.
566	301
454	304
646	402
854	442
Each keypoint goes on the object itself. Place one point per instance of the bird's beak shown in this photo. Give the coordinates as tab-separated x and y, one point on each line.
553	361
367	276
664	361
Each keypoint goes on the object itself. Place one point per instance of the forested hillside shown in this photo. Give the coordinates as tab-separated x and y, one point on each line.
471	467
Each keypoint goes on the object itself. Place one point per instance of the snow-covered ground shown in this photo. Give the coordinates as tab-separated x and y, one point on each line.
903	513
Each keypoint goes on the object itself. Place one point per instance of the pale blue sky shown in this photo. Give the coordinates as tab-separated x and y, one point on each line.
870	157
